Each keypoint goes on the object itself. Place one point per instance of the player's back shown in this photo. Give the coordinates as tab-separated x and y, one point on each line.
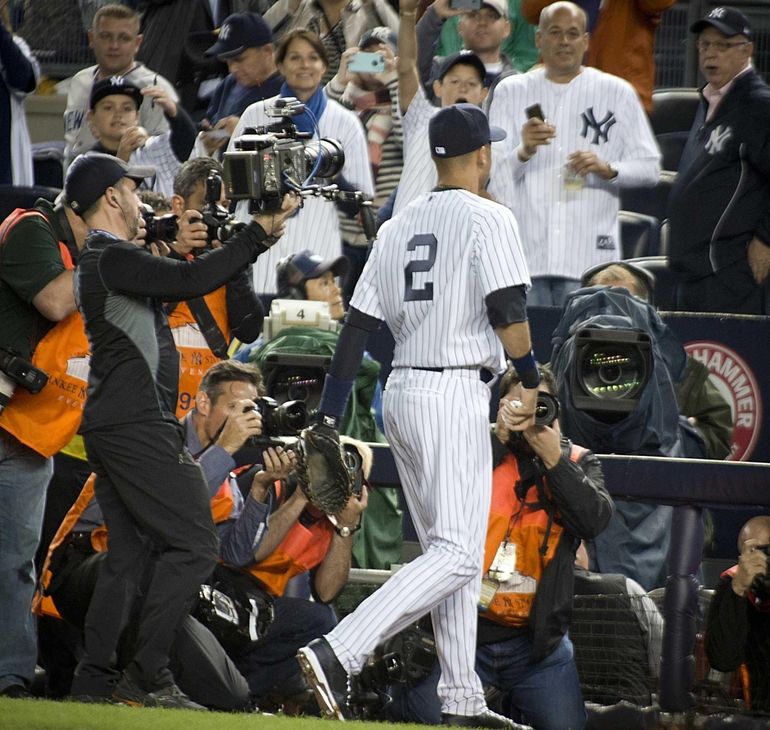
434	264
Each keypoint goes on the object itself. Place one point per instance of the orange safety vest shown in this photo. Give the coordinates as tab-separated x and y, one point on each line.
43	604
302	549
531	529
46	421
195	356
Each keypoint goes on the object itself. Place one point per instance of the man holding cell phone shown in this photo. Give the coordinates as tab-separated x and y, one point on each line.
576	135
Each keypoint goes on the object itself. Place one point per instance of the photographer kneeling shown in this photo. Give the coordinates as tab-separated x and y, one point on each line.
547	495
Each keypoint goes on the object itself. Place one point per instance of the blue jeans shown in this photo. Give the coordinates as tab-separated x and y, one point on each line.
545	695
24	477
550	291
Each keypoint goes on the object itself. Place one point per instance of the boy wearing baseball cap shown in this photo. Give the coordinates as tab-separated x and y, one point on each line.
113	117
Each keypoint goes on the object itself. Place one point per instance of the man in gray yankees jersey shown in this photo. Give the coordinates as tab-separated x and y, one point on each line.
448	276
561	167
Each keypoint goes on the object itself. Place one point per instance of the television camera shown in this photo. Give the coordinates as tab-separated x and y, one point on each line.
269	161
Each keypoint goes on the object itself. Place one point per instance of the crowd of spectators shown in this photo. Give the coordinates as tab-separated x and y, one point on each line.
174	86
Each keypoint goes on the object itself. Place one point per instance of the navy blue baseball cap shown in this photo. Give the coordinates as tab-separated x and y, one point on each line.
89	176
459	129
238	32
726	20
114	85
293	270
469	58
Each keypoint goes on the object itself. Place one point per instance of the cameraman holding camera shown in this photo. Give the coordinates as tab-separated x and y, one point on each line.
738	622
149	487
37	248
203	328
547	495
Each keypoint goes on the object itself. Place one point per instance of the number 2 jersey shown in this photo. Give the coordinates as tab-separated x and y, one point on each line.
429	273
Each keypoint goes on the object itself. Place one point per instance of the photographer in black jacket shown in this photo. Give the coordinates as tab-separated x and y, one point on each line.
151	491
738	623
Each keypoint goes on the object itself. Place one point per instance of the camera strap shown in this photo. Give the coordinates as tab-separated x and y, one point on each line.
208	326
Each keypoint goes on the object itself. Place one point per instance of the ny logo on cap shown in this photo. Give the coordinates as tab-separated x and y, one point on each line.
116	81
717	13
224	31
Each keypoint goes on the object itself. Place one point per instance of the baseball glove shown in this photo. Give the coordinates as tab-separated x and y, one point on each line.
322	469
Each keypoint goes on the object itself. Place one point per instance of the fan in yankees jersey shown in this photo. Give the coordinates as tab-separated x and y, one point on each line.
561	175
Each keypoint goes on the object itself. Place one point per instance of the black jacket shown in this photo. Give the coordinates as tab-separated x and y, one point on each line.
119	288
721	198
583	507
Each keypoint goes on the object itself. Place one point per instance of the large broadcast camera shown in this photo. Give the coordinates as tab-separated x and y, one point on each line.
15	370
268	162
220	223
616	364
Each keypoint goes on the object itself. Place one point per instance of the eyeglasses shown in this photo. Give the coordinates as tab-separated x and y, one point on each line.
721	46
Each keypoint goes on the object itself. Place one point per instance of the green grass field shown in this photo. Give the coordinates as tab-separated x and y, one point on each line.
45	715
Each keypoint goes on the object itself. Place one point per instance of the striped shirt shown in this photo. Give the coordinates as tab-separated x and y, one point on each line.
419	174
157	151
389	171
429	273
316	225
567	230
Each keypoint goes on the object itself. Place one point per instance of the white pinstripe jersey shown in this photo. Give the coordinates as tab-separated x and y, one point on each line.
316	226
419	173
565	231
157	151
429	273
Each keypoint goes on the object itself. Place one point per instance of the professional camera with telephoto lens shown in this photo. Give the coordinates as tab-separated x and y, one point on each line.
268	162
286	419
760	586
15	370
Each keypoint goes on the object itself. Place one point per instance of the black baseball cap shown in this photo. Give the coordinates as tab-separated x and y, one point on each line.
297	268
469	58
238	32
92	173
114	85
459	129
726	20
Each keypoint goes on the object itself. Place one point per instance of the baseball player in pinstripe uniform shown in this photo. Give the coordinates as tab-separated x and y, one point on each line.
448	276
561	169
460	78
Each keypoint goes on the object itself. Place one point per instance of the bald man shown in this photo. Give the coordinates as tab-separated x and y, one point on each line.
738	623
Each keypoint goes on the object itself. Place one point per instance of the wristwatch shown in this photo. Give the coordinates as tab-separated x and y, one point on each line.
345	531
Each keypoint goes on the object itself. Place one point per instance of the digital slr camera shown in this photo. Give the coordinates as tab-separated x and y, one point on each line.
760	586
220	223
268	162
15	370
286	419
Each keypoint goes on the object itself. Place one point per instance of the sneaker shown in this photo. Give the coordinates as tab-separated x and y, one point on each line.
487	718
16	692
328	679
170	696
